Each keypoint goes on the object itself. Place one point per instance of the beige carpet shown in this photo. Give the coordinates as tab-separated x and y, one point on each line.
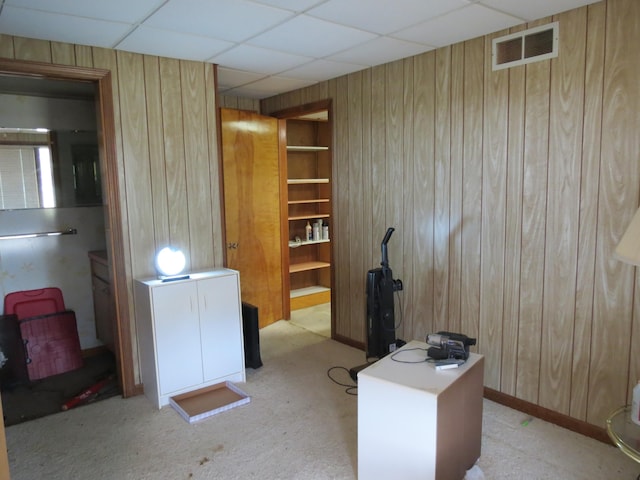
299	425
316	319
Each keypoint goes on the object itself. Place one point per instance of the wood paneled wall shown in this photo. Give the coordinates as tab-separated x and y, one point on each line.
239	103
509	191
167	153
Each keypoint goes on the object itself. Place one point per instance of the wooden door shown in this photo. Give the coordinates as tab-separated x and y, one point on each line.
252	199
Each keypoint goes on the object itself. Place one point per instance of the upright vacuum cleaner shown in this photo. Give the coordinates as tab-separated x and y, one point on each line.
381	328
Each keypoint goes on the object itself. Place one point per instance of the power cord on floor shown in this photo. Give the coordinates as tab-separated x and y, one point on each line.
350	388
395	358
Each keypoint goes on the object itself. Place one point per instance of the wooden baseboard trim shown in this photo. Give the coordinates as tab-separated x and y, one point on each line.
138	389
565	421
348	341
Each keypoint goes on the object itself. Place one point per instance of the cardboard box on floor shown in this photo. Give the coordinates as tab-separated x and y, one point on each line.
208	401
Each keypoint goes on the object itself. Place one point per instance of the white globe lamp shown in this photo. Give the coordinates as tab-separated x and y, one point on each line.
170	263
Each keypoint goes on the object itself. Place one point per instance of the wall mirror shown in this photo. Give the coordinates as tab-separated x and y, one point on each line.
48	144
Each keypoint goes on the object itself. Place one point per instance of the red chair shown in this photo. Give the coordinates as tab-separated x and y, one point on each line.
49	332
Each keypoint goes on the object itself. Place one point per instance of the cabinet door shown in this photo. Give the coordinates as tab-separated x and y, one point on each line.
220	326
103	313
177	330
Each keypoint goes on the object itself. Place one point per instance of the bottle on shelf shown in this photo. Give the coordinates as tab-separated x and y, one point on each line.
316	231
325	231
308	232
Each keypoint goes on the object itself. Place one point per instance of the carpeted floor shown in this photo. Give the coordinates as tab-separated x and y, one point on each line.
299	425
23	401
316	319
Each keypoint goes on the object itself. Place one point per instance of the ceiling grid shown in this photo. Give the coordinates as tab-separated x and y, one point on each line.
267	47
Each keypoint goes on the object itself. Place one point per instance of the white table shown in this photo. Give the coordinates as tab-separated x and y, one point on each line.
418	423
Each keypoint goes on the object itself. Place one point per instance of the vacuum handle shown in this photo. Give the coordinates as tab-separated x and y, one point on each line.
383	247
387	235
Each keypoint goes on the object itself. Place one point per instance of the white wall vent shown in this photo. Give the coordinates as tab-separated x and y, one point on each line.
532	45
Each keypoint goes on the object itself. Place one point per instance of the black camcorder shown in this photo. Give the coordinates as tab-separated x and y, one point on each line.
447	345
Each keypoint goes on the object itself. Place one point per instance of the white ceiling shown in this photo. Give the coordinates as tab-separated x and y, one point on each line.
266	47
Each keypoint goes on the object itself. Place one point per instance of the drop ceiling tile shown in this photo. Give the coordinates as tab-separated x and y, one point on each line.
126	11
320	70
60	28
269	86
273	83
389	16
535	10
293	5
164	43
463	24
258	60
229	78
381	50
232	20
310	36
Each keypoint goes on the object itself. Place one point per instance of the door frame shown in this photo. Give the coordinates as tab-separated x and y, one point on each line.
109	167
282	116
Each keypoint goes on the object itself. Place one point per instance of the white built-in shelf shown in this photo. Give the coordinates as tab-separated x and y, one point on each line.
306	266
305	148
312	200
303	181
301	292
309	216
294	244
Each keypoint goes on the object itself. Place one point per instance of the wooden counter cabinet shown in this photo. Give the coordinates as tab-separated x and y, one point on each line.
190	333
103	303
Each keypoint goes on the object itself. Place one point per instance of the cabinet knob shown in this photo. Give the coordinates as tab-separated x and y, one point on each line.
232	245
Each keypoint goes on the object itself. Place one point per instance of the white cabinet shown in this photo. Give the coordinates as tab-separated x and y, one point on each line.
189	333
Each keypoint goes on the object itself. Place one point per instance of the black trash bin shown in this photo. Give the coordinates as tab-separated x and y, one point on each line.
251	332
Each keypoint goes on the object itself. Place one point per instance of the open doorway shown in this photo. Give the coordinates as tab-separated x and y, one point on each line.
308	217
100	81
50	181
